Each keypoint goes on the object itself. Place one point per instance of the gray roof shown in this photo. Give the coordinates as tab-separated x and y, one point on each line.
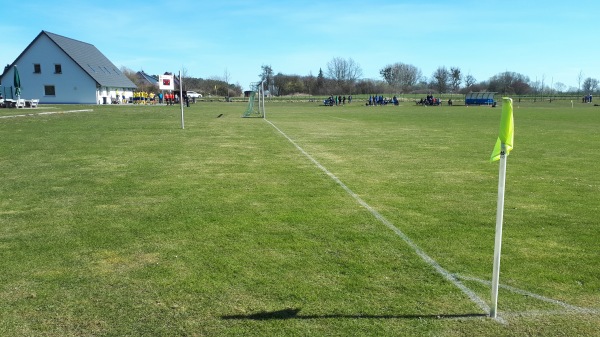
90	59
148	78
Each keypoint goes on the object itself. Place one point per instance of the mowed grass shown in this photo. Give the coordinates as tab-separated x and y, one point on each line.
117	222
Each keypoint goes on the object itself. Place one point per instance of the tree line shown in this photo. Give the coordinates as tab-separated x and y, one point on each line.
343	76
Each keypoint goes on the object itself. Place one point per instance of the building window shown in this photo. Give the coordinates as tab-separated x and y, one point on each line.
49	90
37	68
57	69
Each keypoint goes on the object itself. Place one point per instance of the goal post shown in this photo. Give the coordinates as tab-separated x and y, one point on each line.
256	101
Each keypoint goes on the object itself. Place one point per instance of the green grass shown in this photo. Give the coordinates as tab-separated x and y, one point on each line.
117	222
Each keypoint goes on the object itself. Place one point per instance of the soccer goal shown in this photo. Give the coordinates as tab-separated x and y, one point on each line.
256	101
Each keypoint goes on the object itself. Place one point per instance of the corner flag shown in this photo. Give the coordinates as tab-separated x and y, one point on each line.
501	150
507	130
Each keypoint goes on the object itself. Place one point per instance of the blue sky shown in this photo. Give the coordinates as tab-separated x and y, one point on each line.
553	41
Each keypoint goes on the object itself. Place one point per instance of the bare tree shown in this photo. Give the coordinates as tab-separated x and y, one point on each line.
184	73
590	85
135	76
267	76
288	84
470	81
440	79
391	74
401	76
455	78
226	76
579	79
131	75
559	86
343	71
309	83
543	86
510	83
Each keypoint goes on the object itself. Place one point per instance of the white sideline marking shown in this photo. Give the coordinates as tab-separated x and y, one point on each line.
539	313
447	275
567	306
344	119
454	278
46	113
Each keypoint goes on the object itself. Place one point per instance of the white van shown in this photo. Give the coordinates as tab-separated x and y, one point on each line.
193	94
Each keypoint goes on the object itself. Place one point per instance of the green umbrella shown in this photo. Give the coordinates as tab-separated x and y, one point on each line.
17	83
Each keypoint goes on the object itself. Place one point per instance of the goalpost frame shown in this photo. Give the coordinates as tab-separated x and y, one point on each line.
259	110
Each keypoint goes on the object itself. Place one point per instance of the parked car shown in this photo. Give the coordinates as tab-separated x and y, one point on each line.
328	102
193	94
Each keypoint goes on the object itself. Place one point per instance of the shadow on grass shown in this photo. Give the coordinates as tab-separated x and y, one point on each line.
293	314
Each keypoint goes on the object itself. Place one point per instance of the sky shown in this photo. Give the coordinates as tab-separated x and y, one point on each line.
549	41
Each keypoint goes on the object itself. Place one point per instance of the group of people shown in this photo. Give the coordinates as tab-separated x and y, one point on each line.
170	98
587	99
142	97
337	100
430	100
380	100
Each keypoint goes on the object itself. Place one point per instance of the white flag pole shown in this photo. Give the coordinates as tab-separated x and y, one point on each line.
262	90
498	240
181	99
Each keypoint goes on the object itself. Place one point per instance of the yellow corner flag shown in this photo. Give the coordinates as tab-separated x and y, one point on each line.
507	130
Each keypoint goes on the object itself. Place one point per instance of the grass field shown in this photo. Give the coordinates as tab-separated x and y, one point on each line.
319	221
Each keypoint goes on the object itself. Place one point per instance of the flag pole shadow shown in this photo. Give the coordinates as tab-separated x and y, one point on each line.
293	313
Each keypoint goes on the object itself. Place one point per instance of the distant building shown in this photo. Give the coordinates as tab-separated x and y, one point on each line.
147	80
57	69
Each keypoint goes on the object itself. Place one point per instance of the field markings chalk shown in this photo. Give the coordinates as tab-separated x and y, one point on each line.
46	113
344	119
568	307
447	275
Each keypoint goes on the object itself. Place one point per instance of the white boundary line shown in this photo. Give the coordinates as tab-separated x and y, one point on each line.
568	307
447	275
453	278
344	119
45	113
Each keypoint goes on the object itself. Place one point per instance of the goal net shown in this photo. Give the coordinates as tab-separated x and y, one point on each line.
256	101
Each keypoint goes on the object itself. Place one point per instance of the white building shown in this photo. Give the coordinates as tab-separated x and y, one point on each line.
56	69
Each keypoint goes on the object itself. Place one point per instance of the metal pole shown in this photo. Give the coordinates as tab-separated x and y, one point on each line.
258	93
263	99
181	99
498	240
